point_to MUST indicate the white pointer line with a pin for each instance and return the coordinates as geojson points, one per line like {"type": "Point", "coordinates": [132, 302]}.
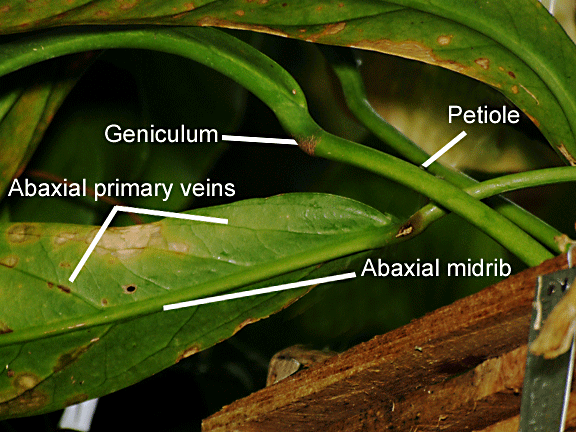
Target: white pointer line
{"type": "Point", "coordinates": [444, 149]}
{"type": "Point", "coordinates": [259, 291]}
{"type": "Point", "coordinates": [237, 138]}
{"type": "Point", "coordinates": [117, 209]}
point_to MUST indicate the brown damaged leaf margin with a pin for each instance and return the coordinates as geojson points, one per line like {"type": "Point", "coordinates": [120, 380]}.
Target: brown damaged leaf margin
{"type": "Point", "coordinates": [571, 159]}
{"type": "Point", "coordinates": [197, 348]}
{"type": "Point", "coordinates": [209, 21]}
{"type": "Point", "coordinates": [411, 49]}
{"type": "Point", "coordinates": [188, 352]}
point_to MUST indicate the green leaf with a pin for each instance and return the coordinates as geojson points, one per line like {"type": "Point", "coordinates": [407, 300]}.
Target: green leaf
{"type": "Point", "coordinates": [62, 343]}
{"type": "Point", "coordinates": [28, 102]}
{"type": "Point", "coordinates": [513, 45]}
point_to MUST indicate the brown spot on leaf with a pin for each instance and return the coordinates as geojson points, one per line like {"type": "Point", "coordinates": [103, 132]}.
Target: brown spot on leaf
{"type": "Point", "coordinates": [10, 373]}
{"type": "Point", "coordinates": [127, 6]}
{"type": "Point", "coordinates": [179, 247]}
{"type": "Point", "coordinates": [4, 328]}
{"type": "Point", "coordinates": [64, 289]}
{"type": "Point", "coordinates": [25, 403]}
{"type": "Point", "coordinates": [70, 357]}
{"type": "Point", "coordinates": [126, 243]}
{"type": "Point", "coordinates": [130, 288]}
{"type": "Point", "coordinates": [188, 352]}
{"type": "Point", "coordinates": [5, 8]}
{"type": "Point", "coordinates": [104, 302]}
{"type": "Point", "coordinates": [405, 230]}
{"type": "Point", "coordinates": [50, 285]}
{"type": "Point", "coordinates": [571, 159]}
{"type": "Point", "coordinates": [25, 381]}
{"type": "Point", "coordinates": [189, 6]}
{"type": "Point", "coordinates": [239, 12]}
{"type": "Point", "coordinates": [329, 29]}
{"type": "Point", "coordinates": [9, 261]}
{"type": "Point", "coordinates": [63, 237]}
{"type": "Point", "coordinates": [22, 233]}
{"type": "Point", "coordinates": [483, 62]}
{"type": "Point", "coordinates": [262, 2]}
{"type": "Point", "coordinates": [102, 13]}
{"type": "Point", "coordinates": [64, 264]}
{"type": "Point", "coordinates": [308, 145]}
{"type": "Point", "coordinates": [512, 74]}
{"type": "Point", "coordinates": [444, 39]}
{"type": "Point", "coordinates": [515, 89]}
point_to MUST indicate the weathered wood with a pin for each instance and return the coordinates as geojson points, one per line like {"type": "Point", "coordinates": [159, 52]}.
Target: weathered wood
{"type": "Point", "coordinates": [432, 374]}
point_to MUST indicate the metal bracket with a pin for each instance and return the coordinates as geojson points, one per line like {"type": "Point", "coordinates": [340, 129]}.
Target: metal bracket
{"type": "Point", "coordinates": [547, 382]}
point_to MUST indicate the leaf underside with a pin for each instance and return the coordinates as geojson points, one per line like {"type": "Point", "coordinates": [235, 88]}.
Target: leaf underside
{"type": "Point", "coordinates": [62, 343]}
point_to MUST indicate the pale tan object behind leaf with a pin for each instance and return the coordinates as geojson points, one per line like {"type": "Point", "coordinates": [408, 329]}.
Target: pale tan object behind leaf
{"type": "Point", "coordinates": [414, 98]}
{"type": "Point", "coordinates": [564, 11]}
{"type": "Point", "coordinates": [288, 361]}
{"type": "Point", "coordinates": [559, 328]}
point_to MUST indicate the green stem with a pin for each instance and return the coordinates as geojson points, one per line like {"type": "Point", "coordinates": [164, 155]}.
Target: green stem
{"type": "Point", "coordinates": [357, 102]}
{"type": "Point", "coordinates": [450, 197]}
{"type": "Point", "coordinates": [431, 213]}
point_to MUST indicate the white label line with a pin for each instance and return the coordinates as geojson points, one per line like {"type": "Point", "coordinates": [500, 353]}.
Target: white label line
{"type": "Point", "coordinates": [259, 291]}
{"type": "Point", "coordinates": [237, 138]}
{"type": "Point", "coordinates": [444, 149]}
{"type": "Point", "coordinates": [117, 209]}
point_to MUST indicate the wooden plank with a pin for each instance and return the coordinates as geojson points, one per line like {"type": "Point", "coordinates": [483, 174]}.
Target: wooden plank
{"type": "Point", "coordinates": [401, 380]}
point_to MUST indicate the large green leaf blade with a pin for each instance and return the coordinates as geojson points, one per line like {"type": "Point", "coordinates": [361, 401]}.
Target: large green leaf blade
{"type": "Point", "coordinates": [513, 45]}
{"type": "Point", "coordinates": [64, 342]}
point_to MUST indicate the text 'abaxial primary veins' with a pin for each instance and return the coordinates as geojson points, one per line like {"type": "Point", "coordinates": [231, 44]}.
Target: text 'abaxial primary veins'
{"type": "Point", "coordinates": [118, 189]}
